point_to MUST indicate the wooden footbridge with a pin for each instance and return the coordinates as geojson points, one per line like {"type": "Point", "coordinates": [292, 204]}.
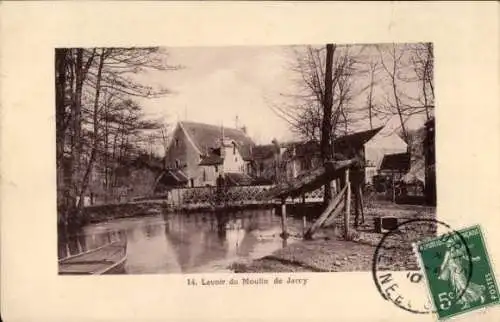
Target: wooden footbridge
{"type": "Point", "coordinates": [347, 176]}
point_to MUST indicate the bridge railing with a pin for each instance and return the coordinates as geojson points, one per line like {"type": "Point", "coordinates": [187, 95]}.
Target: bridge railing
{"type": "Point", "coordinates": [231, 195]}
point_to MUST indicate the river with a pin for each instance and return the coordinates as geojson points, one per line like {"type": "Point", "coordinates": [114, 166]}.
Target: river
{"type": "Point", "coordinates": [187, 243]}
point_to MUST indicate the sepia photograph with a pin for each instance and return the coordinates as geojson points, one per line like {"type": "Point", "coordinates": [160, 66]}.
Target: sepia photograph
{"type": "Point", "coordinates": [243, 159]}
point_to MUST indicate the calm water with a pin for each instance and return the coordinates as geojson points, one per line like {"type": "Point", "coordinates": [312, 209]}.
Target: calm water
{"type": "Point", "coordinates": [187, 243]}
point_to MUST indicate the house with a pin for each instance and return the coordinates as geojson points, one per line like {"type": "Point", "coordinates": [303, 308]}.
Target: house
{"type": "Point", "coordinates": [370, 145]}
{"type": "Point", "coordinates": [203, 152]}
{"type": "Point", "coordinates": [264, 162]}
{"type": "Point", "coordinates": [267, 161]}
{"type": "Point", "coordinates": [300, 157]}
{"type": "Point", "coordinates": [384, 141]}
{"type": "Point", "coordinates": [395, 165]}
{"type": "Point", "coordinates": [226, 161]}
{"type": "Point", "coordinates": [416, 172]}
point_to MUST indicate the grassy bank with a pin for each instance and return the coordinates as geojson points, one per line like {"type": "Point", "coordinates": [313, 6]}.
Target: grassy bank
{"type": "Point", "coordinates": [94, 214]}
{"type": "Point", "coordinates": [101, 213]}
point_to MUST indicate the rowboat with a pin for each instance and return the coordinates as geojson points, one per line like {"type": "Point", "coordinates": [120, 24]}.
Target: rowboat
{"type": "Point", "coordinates": [107, 259]}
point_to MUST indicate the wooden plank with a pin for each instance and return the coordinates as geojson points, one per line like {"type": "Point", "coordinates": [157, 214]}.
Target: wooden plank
{"type": "Point", "coordinates": [95, 261]}
{"type": "Point", "coordinates": [304, 221]}
{"type": "Point", "coordinates": [331, 219]}
{"type": "Point", "coordinates": [347, 205]}
{"type": "Point", "coordinates": [361, 204]}
{"type": "Point", "coordinates": [331, 206]}
{"type": "Point", "coordinates": [356, 204]}
{"type": "Point", "coordinates": [284, 229]}
{"type": "Point", "coordinates": [311, 180]}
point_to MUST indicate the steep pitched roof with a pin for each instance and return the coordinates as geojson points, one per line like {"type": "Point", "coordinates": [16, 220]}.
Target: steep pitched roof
{"type": "Point", "coordinates": [212, 159]}
{"type": "Point", "coordinates": [397, 161]}
{"type": "Point", "coordinates": [356, 139]}
{"type": "Point", "coordinates": [173, 177]}
{"type": "Point", "coordinates": [260, 152]}
{"type": "Point", "coordinates": [238, 179]}
{"type": "Point", "coordinates": [207, 136]}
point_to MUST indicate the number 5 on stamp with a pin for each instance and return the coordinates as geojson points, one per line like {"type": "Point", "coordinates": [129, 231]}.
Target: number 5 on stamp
{"type": "Point", "coordinates": [458, 272]}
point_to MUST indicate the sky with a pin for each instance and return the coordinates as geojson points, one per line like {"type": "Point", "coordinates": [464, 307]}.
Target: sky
{"type": "Point", "coordinates": [219, 84]}
{"type": "Point", "coordinates": [216, 85]}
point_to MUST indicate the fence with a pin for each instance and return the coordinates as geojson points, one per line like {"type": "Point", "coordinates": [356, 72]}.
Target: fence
{"type": "Point", "coordinates": [209, 196]}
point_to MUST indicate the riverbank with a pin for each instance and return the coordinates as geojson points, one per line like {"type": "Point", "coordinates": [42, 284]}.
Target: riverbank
{"type": "Point", "coordinates": [136, 209]}
{"type": "Point", "coordinates": [328, 252]}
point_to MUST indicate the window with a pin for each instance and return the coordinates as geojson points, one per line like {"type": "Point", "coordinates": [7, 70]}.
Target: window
{"type": "Point", "coordinates": [235, 159]}
{"type": "Point", "coordinates": [216, 168]}
{"type": "Point", "coordinates": [176, 143]}
{"type": "Point", "coordinates": [261, 167]}
{"type": "Point", "coordinates": [204, 175]}
{"type": "Point", "coordinates": [177, 163]}
{"type": "Point", "coordinates": [234, 149]}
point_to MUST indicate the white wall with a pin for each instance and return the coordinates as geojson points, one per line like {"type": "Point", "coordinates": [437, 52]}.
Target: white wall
{"type": "Point", "coordinates": [383, 143]}
{"type": "Point", "coordinates": [210, 175]}
{"type": "Point", "coordinates": [233, 162]}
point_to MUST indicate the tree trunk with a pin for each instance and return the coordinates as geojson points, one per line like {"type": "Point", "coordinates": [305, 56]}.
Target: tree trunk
{"type": "Point", "coordinates": [106, 151]}
{"type": "Point", "coordinates": [61, 64]}
{"type": "Point", "coordinates": [326, 128]}
{"type": "Point", "coordinates": [370, 95]}
{"type": "Point", "coordinates": [76, 131]}
{"type": "Point", "coordinates": [396, 95]}
{"type": "Point", "coordinates": [95, 137]}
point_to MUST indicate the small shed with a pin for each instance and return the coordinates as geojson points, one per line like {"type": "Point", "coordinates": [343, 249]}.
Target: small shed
{"type": "Point", "coordinates": [396, 165]}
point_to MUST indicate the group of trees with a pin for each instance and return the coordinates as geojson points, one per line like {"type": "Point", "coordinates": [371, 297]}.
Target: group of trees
{"type": "Point", "coordinates": [340, 87]}
{"type": "Point", "coordinates": [99, 123]}
{"type": "Point", "coordinates": [369, 84]}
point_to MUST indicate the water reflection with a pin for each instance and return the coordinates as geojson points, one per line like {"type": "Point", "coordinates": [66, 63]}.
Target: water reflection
{"type": "Point", "coordinates": [175, 243]}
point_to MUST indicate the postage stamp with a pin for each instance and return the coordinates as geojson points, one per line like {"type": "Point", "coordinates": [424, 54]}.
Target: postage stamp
{"type": "Point", "coordinates": [459, 276]}
{"type": "Point", "coordinates": [403, 284]}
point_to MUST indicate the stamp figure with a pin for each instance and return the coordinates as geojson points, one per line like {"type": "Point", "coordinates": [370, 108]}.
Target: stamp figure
{"type": "Point", "coordinates": [459, 276]}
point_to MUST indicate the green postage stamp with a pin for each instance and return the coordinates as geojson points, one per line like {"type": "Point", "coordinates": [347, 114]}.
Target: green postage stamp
{"type": "Point", "coordinates": [458, 272]}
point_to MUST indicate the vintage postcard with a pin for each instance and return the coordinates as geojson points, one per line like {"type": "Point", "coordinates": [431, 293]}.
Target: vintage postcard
{"type": "Point", "coordinates": [220, 190]}
{"type": "Point", "coordinates": [459, 272]}
{"type": "Point", "coordinates": [202, 162]}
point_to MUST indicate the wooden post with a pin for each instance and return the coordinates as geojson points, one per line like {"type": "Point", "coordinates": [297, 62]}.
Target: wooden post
{"type": "Point", "coordinates": [347, 204]}
{"type": "Point", "coordinates": [393, 188]}
{"type": "Point", "coordinates": [356, 202]}
{"type": "Point", "coordinates": [79, 245]}
{"type": "Point", "coordinates": [304, 221]}
{"type": "Point", "coordinates": [361, 205]}
{"type": "Point", "coordinates": [326, 213]}
{"type": "Point", "coordinates": [284, 232]}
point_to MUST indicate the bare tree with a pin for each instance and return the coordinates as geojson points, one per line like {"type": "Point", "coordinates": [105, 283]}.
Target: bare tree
{"type": "Point", "coordinates": [165, 139]}
{"type": "Point", "coordinates": [303, 109]}
{"type": "Point", "coordinates": [391, 62]}
{"type": "Point", "coordinates": [422, 60]}
{"type": "Point", "coordinates": [410, 86]}
{"type": "Point", "coordinates": [373, 67]}
{"type": "Point", "coordinates": [94, 88]}
{"type": "Point", "coordinates": [320, 109]}
{"type": "Point", "coordinates": [326, 127]}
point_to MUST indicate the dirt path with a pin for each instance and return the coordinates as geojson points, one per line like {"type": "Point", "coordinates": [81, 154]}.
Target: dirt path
{"type": "Point", "coordinates": [330, 253]}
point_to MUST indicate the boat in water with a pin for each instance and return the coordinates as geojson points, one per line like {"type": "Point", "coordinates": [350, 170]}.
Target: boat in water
{"type": "Point", "coordinates": [107, 259]}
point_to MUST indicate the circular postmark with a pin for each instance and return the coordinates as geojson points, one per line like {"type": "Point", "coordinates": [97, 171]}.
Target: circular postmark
{"type": "Point", "coordinates": [396, 267]}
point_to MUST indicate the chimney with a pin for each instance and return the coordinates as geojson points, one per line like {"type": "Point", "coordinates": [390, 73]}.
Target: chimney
{"type": "Point", "coordinates": [276, 145]}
